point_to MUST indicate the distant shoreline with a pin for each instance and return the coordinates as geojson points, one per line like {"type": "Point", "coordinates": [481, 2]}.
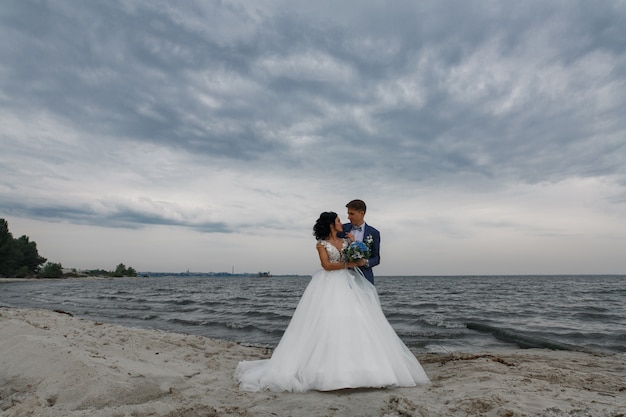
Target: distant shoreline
{"type": "Point", "coordinates": [217, 275]}
{"type": "Point", "coordinates": [57, 279]}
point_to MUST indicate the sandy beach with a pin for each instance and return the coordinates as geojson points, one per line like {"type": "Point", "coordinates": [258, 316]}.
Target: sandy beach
{"type": "Point", "coordinates": [54, 364]}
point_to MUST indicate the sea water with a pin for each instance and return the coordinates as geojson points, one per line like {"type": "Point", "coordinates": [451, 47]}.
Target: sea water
{"type": "Point", "coordinates": [430, 314]}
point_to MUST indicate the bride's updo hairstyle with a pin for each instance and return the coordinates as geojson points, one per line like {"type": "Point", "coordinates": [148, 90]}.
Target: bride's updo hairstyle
{"type": "Point", "coordinates": [321, 229]}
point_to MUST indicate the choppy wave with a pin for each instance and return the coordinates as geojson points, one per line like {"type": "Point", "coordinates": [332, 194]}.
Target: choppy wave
{"type": "Point", "coordinates": [428, 313]}
{"type": "Point", "coordinates": [522, 340]}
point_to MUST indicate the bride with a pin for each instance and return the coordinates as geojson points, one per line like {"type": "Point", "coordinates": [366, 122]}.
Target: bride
{"type": "Point", "coordinates": [338, 336]}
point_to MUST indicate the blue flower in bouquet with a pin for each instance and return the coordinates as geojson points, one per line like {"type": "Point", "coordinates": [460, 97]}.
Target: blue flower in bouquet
{"type": "Point", "coordinates": [355, 251]}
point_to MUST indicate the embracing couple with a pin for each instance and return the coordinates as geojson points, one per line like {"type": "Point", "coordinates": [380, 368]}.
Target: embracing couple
{"type": "Point", "coordinates": [338, 336]}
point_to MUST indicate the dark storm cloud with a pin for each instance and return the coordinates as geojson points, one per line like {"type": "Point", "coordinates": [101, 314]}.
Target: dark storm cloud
{"type": "Point", "coordinates": [427, 92]}
{"type": "Point", "coordinates": [113, 216]}
{"type": "Point", "coordinates": [123, 72]}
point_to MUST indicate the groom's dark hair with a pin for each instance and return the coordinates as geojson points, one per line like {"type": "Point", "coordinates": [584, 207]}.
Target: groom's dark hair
{"type": "Point", "coordinates": [358, 205]}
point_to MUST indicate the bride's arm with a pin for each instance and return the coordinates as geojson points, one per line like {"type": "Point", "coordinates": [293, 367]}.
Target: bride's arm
{"type": "Point", "coordinates": [333, 266]}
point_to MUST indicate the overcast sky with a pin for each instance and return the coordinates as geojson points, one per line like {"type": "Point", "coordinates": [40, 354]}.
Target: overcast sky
{"type": "Point", "coordinates": [486, 137]}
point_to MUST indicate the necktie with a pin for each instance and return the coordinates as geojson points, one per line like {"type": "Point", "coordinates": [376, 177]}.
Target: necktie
{"type": "Point", "coordinates": [357, 228]}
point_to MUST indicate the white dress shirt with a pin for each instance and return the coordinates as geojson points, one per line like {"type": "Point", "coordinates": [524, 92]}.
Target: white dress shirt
{"type": "Point", "coordinates": [358, 234]}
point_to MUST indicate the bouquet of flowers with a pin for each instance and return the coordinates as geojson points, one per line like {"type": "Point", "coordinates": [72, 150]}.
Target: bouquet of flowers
{"type": "Point", "coordinates": [358, 250]}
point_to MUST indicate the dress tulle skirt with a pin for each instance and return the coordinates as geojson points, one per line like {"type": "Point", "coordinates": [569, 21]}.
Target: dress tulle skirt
{"type": "Point", "coordinates": [338, 338]}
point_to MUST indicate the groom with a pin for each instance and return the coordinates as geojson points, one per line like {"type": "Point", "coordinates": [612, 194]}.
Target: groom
{"type": "Point", "coordinates": [360, 230]}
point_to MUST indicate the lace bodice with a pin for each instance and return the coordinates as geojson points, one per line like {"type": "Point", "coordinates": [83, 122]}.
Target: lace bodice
{"type": "Point", "coordinates": [334, 255]}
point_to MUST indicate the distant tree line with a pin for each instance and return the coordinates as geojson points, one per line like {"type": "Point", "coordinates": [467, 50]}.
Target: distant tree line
{"type": "Point", "coordinates": [120, 271]}
{"type": "Point", "coordinates": [20, 258]}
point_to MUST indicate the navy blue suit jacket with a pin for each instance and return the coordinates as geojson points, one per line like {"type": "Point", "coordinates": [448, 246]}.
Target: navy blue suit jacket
{"type": "Point", "coordinates": [374, 258]}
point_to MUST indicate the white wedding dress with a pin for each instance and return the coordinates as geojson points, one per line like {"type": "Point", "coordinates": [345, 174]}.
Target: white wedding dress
{"type": "Point", "coordinates": [338, 338]}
